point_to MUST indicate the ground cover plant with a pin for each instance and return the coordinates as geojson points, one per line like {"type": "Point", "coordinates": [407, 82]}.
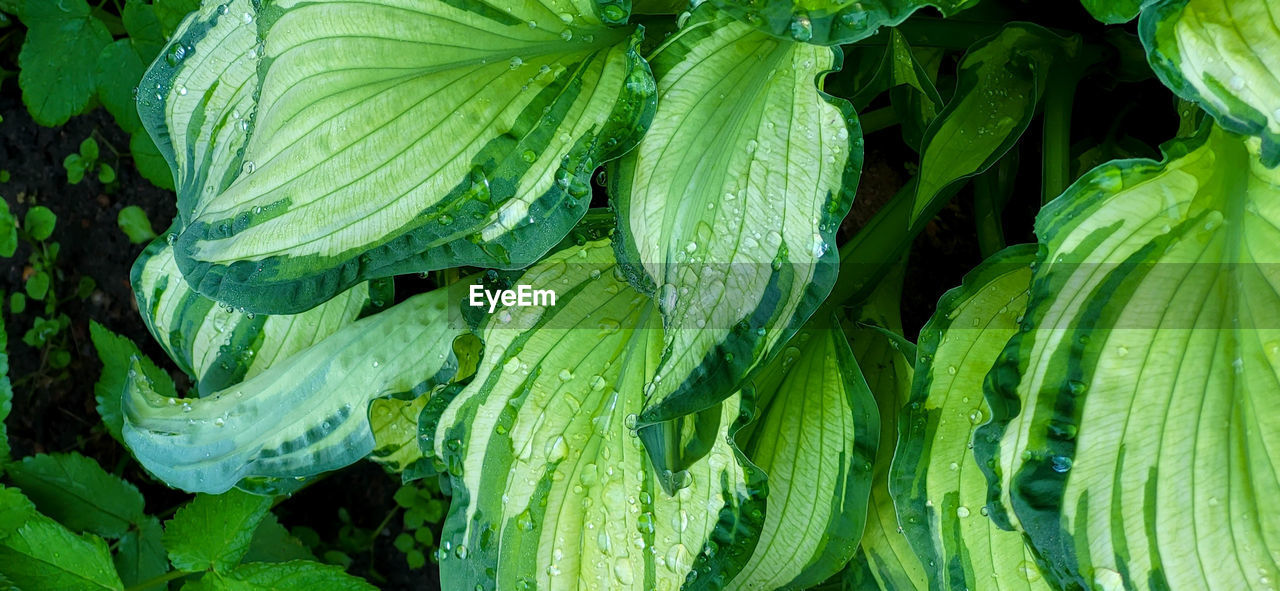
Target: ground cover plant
{"type": "Point", "coordinates": [748, 294]}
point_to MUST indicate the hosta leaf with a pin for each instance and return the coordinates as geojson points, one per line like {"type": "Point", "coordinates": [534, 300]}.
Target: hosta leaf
{"type": "Point", "coordinates": [550, 490]}
{"type": "Point", "coordinates": [999, 84]}
{"type": "Point", "coordinates": [318, 143]}
{"type": "Point", "coordinates": [885, 559]}
{"type": "Point", "coordinates": [1113, 11]}
{"type": "Point", "coordinates": [730, 203]}
{"type": "Point", "coordinates": [1223, 56]}
{"type": "Point", "coordinates": [832, 22]}
{"type": "Point", "coordinates": [218, 345]}
{"type": "Point", "coordinates": [300, 417]}
{"type": "Point", "coordinates": [395, 434]}
{"type": "Point", "coordinates": [1133, 430]}
{"type": "Point", "coordinates": [78, 493]}
{"type": "Point", "coordinates": [938, 486]}
{"type": "Point", "coordinates": [214, 531]}
{"type": "Point", "coordinates": [44, 555]}
{"type": "Point", "coordinates": [816, 438]}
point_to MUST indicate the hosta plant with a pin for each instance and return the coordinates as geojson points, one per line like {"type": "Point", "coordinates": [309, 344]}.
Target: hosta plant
{"type": "Point", "coordinates": [719, 391]}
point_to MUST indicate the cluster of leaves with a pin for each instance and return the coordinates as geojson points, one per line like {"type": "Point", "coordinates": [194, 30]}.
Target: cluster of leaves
{"type": "Point", "coordinates": [66, 524]}
{"type": "Point", "coordinates": [690, 411]}
{"type": "Point", "coordinates": [41, 277]}
{"type": "Point", "coordinates": [75, 57]}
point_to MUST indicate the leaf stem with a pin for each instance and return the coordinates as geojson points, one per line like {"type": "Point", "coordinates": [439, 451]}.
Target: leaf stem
{"type": "Point", "coordinates": [1058, 102]}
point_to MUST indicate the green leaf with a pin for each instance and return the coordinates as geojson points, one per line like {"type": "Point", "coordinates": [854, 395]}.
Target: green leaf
{"type": "Point", "coordinates": [297, 575]}
{"type": "Point", "coordinates": [58, 57]}
{"type": "Point", "coordinates": [15, 510]}
{"type": "Point", "coordinates": [8, 231]}
{"type": "Point", "coordinates": [117, 354]}
{"type": "Point", "coordinates": [452, 134]}
{"type": "Point", "coordinates": [1113, 12]}
{"type": "Point", "coordinates": [89, 150]}
{"type": "Point", "coordinates": [273, 543]}
{"type": "Point", "coordinates": [939, 488]}
{"type": "Point", "coordinates": [1222, 56]}
{"type": "Point", "coordinates": [143, 25]}
{"type": "Point", "coordinates": [37, 285]}
{"type": "Point", "coordinates": [140, 556]}
{"type": "Point", "coordinates": [77, 492]}
{"type": "Point", "coordinates": [816, 439]}
{"type": "Point", "coordinates": [549, 490]}
{"type": "Point", "coordinates": [106, 174]}
{"type": "Point", "coordinates": [885, 559]}
{"type": "Point", "coordinates": [214, 531]}
{"type": "Point", "coordinates": [303, 415]}
{"type": "Point", "coordinates": [729, 206]}
{"type": "Point", "coordinates": [218, 346]}
{"type": "Point", "coordinates": [134, 223]}
{"type": "Point", "coordinates": [17, 302]}
{"type": "Point", "coordinates": [6, 397]}
{"type": "Point", "coordinates": [1000, 83]}
{"type": "Point", "coordinates": [44, 555]}
{"type": "Point", "coordinates": [1130, 438]}
{"type": "Point", "coordinates": [75, 168]}
{"type": "Point", "coordinates": [831, 22]}
{"type": "Point", "coordinates": [170, 13]}
{"type": "Point", "coordinates": [39, 222]}
{"type": "Point", "coordinates": [395, 434]}
{"type": "Point", "coordinates": [150, 163]}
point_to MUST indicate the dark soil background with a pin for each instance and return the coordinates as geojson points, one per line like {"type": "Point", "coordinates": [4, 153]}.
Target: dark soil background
{"type": "Point", "coordinates": [54, 411]}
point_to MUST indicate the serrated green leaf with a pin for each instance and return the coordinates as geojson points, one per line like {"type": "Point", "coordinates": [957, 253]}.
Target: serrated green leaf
{"type": "Point", "coordinates": [41, 554]}
{"type": "Point", "coordinates": [77, 492]}
{"type": "Point", "coordinates": [816, 438]}
{"type": "Point", "coordinates": [301, 416]}
{"type": "Point", "coordinates": [939, 488]}
{"type": "Point", "coordinates": [135, 224]}
{"type": "Point", "coordinates": [150, 163]}
{"type": "Point", "coordinates": [1000, 83]}
{"type": "Point", "coordinates": [15, 510]}
{"type": "Point", "coordinates": [1130, 435]}
{"type": "Point", "coordinates": [831, 22]}
{"type": "Point", "coordinates": [549, 490]}
{"type": "Point", "coordinates": [214, 531]}
{"type": "Point", "coordinates": [298, 575]}
{"type": "Point", "coordinates": [117, 354]}
{"type": "Point", "coordinates": [140, 555]}
{"type": "Point", "coordinates": [220, 347]}
{"type": "Point", "coordinates": [273, 543]}
{"type": "Point", "coordinates": [1221, 55]}
{"type": "Point", "coordinates": [39, 222]}
{"type": "Point", "coordinates": [58, 58]}
{"type": "Point", "coordinates": [452, 135]}
{"type": "Point", "coordinates": [730, 144]}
